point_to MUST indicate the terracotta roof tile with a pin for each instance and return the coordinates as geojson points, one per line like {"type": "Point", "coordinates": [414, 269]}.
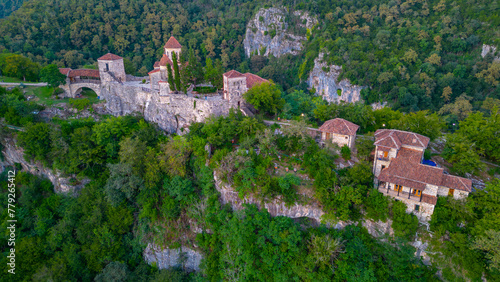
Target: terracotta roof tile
{"type": "Point", "coordinates": [339, 126]}
{"type": "Point", "coordinates": [156, 65]}
{"type": "Point", "coordinates": [110, 57]}
{"type": "Point", "coordinates": [407, 170]}
{"type": "Point", "coordinates": [84, 72]}
{"type": "Point", "coordinates": [429, 199]}
{"type": "Point", "coordinates": [396, 138]}
{"type": "Point", "coordinates": [233, 74]}
{"type": "Point", "coordinates": [458, 183]}
{"type": "Point", "coordinates": [153, 71]}
{"type": "Point", "coordinates": [64, 71]}
{"type": "Point", "coordinates": [172, 43]}
{"type": "Point", "coordinates": [253, 79]}
{"type": "Point", "coordinates": [165, 60]}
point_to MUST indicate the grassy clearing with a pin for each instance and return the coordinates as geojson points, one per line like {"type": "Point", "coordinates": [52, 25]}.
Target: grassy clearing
{"type": "Point", "coordinates": [44, 96]}
{"type": "Point", "coordinates": [13, 79]}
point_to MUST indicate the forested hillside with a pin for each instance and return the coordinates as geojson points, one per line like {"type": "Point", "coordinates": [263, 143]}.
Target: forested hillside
{"type": "Point", "coordinates": [9, 6]}
{"type": "Point", "coordinates": [416, 54]}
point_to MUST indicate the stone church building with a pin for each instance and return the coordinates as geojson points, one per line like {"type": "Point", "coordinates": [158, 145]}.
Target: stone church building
{"type": "Point", "coordinates": [160, 73]}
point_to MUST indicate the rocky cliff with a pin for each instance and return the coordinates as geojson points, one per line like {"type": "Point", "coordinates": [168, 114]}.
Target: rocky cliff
{"type": "Point", "coordinates": [14, 154]}
{"type": "Point", "coordinates": [325, 79]}
{"type": "Point", "coordinates": [278, 208]}
{"type": "Point", "coordinates": [183, 257]}
{"type": "Point", "coordinates": [488, 49]}
{"type": "Point", "coordinates": [269, 33]}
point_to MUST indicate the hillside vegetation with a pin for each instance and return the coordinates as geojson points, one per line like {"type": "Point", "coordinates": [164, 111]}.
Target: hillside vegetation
{"type": "Point", "coordinates": [416, 54]}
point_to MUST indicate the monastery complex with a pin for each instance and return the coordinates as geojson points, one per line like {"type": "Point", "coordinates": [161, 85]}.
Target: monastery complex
{"type": "Point", "coordinates": [398, 168]}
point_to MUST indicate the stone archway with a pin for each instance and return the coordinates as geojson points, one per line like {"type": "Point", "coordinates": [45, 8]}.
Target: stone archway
{"type": "Point", "coordinates": [76, 88]}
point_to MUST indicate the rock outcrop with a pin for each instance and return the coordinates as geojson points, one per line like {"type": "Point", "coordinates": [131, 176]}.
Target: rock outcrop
{"type": "Point", "coordinates": [269, 31]}
{"type": "Point", "coordinates": [183, 257]}
{"type": "Point", "coordinates": [278, 208]}
{"type": "Point", "coordinates": [488, 49]}
{"type": "Point", "coordinates": [275, 208]}
{"type": "Point", "coordinates": [14, 154]}
{"type": "Point", "coordinates": [325, 79]}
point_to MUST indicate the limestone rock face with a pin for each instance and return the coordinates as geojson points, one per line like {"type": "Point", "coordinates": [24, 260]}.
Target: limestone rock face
{"type": "Point", "coordinates": [275, 208]}
{"type": "Point", "coordinates": [487, 49]}
{"type": "Point", "coordinates": [269, 30]}
{"type": "Point", "coordinates": [13, 154]}
{"type": "Point", "coordinates": [166, 258]}
{"type": "Point", "coordinates": [324, 79]}
{"type": "Point", "coordinates": [278, 208]}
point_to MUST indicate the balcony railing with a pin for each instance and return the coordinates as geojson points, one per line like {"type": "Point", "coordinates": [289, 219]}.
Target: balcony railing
{"type": "Point", "coordinates": [400, 194]}
{"type": "Point", "coordinates": [83, 80]}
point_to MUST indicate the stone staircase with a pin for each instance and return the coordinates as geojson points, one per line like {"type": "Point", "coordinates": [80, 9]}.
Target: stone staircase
{"type": "Point", "coordinates": [115, 78]}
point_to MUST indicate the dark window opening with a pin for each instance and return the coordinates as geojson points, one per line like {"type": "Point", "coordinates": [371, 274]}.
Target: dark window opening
{"type": "Point", "coordinates": [417, 208]}
{"type": "Point", "coordinates": [107, 67]}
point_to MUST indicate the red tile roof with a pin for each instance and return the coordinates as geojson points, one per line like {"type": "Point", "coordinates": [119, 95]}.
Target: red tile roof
{"type": "Point", "coordinates": [165, 60]}
{"type": "Point", "coordinates": [393, 138]}
{"type": "Point", "coordinates": [339, 126]}
{"type": "Point", "coordinates": [84, 72]}
{"type": "Point", "coordinates": [458, 183]}
{"type": "Point", "coordinates": [64, 71]}
{"type": "Point", "coordinates": [429, 199]}
{"type": "Point", "coordinates": [407, 170]}
{"type": "Point", "coordinates": [172, 43]}
{"type": "Point", "coordinates": [233, 74]}
{"type": "Point", "coordinates": [153, 71]}
{"type": "Point", "coordinates": [110, 57]}
{"type": "Point", "coordinates": [253, 80]}
{"type": "Point", "coordinates": [156, 65]}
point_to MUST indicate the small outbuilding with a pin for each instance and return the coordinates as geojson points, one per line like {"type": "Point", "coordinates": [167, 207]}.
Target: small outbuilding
{"type": "Point", "coordinates": [339, 131]}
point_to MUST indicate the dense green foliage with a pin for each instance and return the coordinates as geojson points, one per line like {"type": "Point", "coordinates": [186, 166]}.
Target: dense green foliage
{"type": "Point", "coordinates": [466, 234]}
{"type": "Point", "coordinates": [417, 55]}
{"type": "Point", "coordinates": [9, 6]}
{"type": "Point", "coordinates": [423, 57]}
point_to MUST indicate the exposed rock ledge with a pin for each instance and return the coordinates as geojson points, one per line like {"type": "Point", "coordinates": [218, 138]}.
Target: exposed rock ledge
{"type": "Point", "coordinates": [269, 30]}
{"type": "Point", "coordinates": [489, 49]}
{"type": "Point", "coordinates": [167, 258]}
{"type": "Point", "coordinates": [278, 208]}
{"type": "Point", "coordinates": [324, 79]}
{"type": "Point", "coordinates": [14, 154]}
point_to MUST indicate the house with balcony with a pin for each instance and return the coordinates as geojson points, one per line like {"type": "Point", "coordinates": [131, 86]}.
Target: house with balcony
{"type": "Point", "coordinates": [400, 173]}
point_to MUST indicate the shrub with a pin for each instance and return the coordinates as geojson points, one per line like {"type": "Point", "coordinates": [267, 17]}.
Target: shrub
{"type": "Point", "coordinates": [427, 154]}
{"type": "Point", "coordinates": [79, 104]}
{"type": "Point", "coordinates": [345, 151]}
{"type": "Point", "coordinates": [405, 225]}
{"type": "Point", "coordinates": [377, 206]}
{"type": "Point", "coordinates": [272, 33]}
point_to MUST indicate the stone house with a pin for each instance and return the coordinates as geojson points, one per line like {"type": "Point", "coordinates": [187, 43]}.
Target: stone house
{"type": "Point", "coordinates": [400, 173]}
{"type": "Point", "coordinates": [339, 131]}
{"type": "Point", "coordinates": [236, 84]}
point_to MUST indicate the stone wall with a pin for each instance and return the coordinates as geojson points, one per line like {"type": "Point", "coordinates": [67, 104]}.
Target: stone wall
{"type": "Point", "coordinates": [325, 79]}
{"type": "Point", "coordinates": [171, 112]}
{"type": "Point", "coordinates": [14, 154]}
{"type": "Point", "coordinates": [264, 23]}
{"type": "Point", "coordinates": [183, 257]}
